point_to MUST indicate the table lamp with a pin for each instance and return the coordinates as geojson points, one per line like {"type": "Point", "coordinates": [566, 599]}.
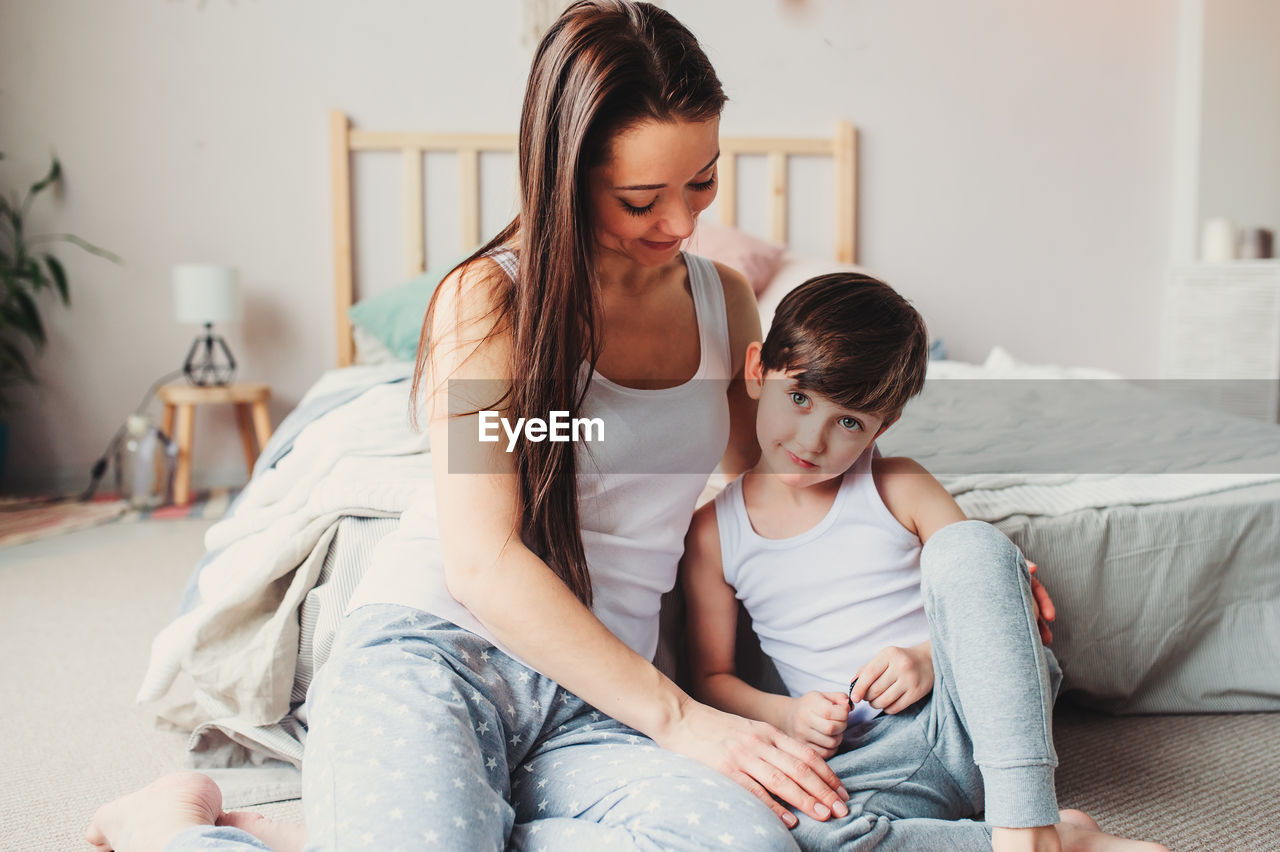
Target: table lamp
{"type": "Point", "coordinates": [204, 294]}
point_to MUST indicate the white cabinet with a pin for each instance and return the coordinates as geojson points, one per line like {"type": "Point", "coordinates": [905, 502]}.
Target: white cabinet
{"type": "Point", "coordinates": [1221, 333]}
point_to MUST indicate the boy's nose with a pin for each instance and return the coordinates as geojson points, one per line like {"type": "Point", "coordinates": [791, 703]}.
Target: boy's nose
{"type": "Point", "coordinates": [811, 439]}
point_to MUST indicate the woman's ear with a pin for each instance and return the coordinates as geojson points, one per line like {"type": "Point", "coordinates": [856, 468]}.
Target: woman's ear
{"type": "Point", "coordinates": [753, 370]}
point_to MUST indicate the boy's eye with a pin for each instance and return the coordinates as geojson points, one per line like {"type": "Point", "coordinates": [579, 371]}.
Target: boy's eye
{"type": "Point", "coordinates": [638, 211]}
{"type": "Point", "coordinates": [799, 399]}
{"type": "Point", "coordinates": [850, 424]}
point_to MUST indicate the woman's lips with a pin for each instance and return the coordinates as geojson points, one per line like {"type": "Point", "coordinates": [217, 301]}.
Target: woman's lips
{"type": "Point", "coordinates": [661, 246]}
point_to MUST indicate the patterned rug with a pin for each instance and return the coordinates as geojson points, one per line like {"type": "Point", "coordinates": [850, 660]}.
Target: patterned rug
{"type": "Point", "coordinates": [31, 518]}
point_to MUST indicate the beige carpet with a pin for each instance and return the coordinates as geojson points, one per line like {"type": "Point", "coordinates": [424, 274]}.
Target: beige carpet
{"type": "Point", "coordinates": [77, 614]}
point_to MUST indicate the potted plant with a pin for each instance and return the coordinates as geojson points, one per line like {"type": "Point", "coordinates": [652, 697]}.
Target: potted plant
{"type": "Point", "coordinates": [26, 272]}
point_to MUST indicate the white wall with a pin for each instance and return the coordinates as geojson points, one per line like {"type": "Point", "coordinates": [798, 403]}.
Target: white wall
{"type": "Point", "coordinates": [1240, 113]}
{"type": "Point", "coordinates": [1016, 167]}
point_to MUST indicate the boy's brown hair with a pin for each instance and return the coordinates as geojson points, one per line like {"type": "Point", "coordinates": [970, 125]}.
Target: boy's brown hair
{"type": "Point", "coordinates": [853, 340]}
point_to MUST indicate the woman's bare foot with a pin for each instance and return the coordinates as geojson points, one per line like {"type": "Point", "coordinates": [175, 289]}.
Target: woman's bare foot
{"type": "Point", "coordinates": [146, 820]}
{"type": "Point", "coordinates": [1077, 832]}
{"type": "Point", "coordinates": [280, 836]}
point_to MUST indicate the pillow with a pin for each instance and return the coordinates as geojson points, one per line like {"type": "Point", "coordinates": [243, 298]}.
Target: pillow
{"type": "Point", "coordinates": [394, 317]}
{"type": "Point", "coordinates": [792, 272]}
{"type": "Point", "coordinates": [755, 258]}
{"type": "Point", "coordinates": [370, 351]}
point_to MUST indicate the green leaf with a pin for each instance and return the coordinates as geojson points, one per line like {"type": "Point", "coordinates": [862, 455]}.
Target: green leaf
{"type": "Point", "coordinates": [32, 325]}
{"type": "Point", "coordinates": [28, 269]}
{"type": "Point", "coordinates": [59, 276]}
{"type": "Point", "coordinates": [55, 172]}
{"type": "Point", "coordinates": [92, 249]}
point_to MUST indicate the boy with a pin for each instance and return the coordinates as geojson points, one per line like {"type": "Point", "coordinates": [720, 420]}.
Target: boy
{"type": "Point", "coordinates": [824, 542]}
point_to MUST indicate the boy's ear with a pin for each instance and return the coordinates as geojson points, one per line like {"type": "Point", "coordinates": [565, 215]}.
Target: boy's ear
{"type": "Point", "coordinates": [884, 427]}
{"type": "Point", "coordinates": [753, 370]}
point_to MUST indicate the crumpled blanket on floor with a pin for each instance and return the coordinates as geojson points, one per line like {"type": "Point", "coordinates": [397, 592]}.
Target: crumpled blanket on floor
{"type": "Point", "coordinates": [237, 640]}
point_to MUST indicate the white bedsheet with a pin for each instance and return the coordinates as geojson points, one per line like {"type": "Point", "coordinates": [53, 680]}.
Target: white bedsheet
{"type": "Point", "coordinates": [1007, 438]}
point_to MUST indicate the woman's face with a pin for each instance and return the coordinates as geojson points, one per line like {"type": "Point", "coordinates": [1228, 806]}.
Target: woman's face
{"type": "Point", "coordinates": [659, 177]}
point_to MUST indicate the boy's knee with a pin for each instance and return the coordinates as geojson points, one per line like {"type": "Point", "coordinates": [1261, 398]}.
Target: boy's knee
{"type": "Point", "coordinates": [968, 553]}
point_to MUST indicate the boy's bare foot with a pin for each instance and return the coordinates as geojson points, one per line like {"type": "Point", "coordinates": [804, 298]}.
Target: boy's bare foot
{"type": "Point", "coordinates": [145, 821]}
{"type": "Point", "coordinates": [280, 836]}
{"type": "Point", "coordinates": [1077, 832]}
{"type": "Point", "coordinates": [1080, 833]}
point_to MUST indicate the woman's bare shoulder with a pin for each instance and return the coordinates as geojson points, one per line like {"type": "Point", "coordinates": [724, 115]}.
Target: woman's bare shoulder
{"type": "Point", "coordinates": [741, 309]}
{"type": "Point", "coordinates": [473, 289]}
{"type": "Point", "coordinates": [737, 291]}
{"type": "Point", "coordinates": [470, 322]}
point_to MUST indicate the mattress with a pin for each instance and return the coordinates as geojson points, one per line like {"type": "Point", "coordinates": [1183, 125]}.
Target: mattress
{"type": "Point", "coordinates": [1155, 522]}
{"type": "Point", "coordinates": [1167, 607]}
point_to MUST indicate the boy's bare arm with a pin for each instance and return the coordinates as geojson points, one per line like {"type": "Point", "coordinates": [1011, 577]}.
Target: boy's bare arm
{"type": "Point", "coordinates": [914, 497]}
{"type": "Point", "coordinates": [712, 624]}
{"type": "Point", "coordinates": [922, 505]}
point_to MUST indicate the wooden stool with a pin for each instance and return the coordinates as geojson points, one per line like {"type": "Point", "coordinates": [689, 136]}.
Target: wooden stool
{"type": "Point", "coordinates": [250, 400]}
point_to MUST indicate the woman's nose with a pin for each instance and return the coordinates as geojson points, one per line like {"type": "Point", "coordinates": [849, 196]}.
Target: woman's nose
{"type": "Point", "coordinates": [680, 219]}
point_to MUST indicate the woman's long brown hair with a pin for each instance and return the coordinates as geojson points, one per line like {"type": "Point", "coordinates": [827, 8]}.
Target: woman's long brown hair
{"type": "Point", "coordinates": [603, 67]}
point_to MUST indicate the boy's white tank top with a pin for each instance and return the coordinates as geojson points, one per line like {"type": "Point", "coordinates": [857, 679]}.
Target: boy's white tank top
{"type": "Point", "coordinates": [637, 490]}
{"type": "Point", "coordinates": [826, 601]}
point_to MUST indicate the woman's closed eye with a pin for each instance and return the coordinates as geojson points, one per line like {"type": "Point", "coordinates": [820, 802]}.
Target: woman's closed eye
{"type": "Point", "coordinates": [638, 211]}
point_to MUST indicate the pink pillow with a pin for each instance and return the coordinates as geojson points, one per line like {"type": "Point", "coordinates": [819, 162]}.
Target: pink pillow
{"type": "Point", "coordinates": [755, 258]}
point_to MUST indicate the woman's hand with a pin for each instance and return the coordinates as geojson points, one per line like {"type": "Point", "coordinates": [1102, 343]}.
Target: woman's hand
{"type": "Point", "coordinates": [1045, 611]}
{"type": "Point", "coordinates": [762, 759]}
{"type": "Point", "coordinates": [818, 719]}
{"type": "Point", "coordinates": [895, 678]}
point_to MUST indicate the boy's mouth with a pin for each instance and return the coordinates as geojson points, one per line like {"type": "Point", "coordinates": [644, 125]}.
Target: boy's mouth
{"type": "Point", "coordinates": [806, 465]}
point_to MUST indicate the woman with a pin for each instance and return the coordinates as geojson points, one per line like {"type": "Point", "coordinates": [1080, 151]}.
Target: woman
{"type": "Point", "coordinates": [492, 680]}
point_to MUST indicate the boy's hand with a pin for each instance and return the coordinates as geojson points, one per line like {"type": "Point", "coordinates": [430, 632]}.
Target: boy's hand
{"type": "Point", "coordinates": [819, 719]}
{"type": "Point", "coordinates": [1045, 611]}
{"type": "Point", "coordinates": [895, 678]}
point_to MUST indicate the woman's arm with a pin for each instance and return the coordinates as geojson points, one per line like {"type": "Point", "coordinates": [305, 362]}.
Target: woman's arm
{"type": "Point", "coordinates": [529, 609]}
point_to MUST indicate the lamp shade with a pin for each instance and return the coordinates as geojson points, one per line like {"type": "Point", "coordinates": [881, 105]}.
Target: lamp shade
{"type": "Point", "coordinates": [205, 293]}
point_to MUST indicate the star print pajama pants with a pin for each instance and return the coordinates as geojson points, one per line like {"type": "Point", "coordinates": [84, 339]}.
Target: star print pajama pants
{"type": "Point", "coordinates": [424, 736]}
{"type": "Point", "coordinates": [982, 739]}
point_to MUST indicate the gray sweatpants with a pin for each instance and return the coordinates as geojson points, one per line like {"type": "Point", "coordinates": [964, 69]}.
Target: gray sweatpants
{"type": "Point", "coordinates": [981, 740]}
{"type": "Point", "coordinates": [425, 736]}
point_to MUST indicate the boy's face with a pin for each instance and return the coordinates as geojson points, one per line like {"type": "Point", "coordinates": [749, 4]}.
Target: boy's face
{"type": "Point", "coordinates": [804, 437]}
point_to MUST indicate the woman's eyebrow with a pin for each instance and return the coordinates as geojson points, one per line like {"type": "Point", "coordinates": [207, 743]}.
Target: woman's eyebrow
{"type": "Point", "coordinates": [663, 185]}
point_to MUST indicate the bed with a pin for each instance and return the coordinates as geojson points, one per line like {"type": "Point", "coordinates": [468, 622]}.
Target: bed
{"type": "Point", "coordinates": [1158, 545]}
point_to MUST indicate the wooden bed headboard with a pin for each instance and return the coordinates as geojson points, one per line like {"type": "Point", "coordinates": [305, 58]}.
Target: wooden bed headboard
{"type": "Point", "coordinates": [345, 141]}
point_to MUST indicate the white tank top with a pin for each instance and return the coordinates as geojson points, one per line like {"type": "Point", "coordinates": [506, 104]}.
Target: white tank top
{"type": "Point", "coordinates": [825, 602]}
{"type": "Point", "coordinates": [637, 490]}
